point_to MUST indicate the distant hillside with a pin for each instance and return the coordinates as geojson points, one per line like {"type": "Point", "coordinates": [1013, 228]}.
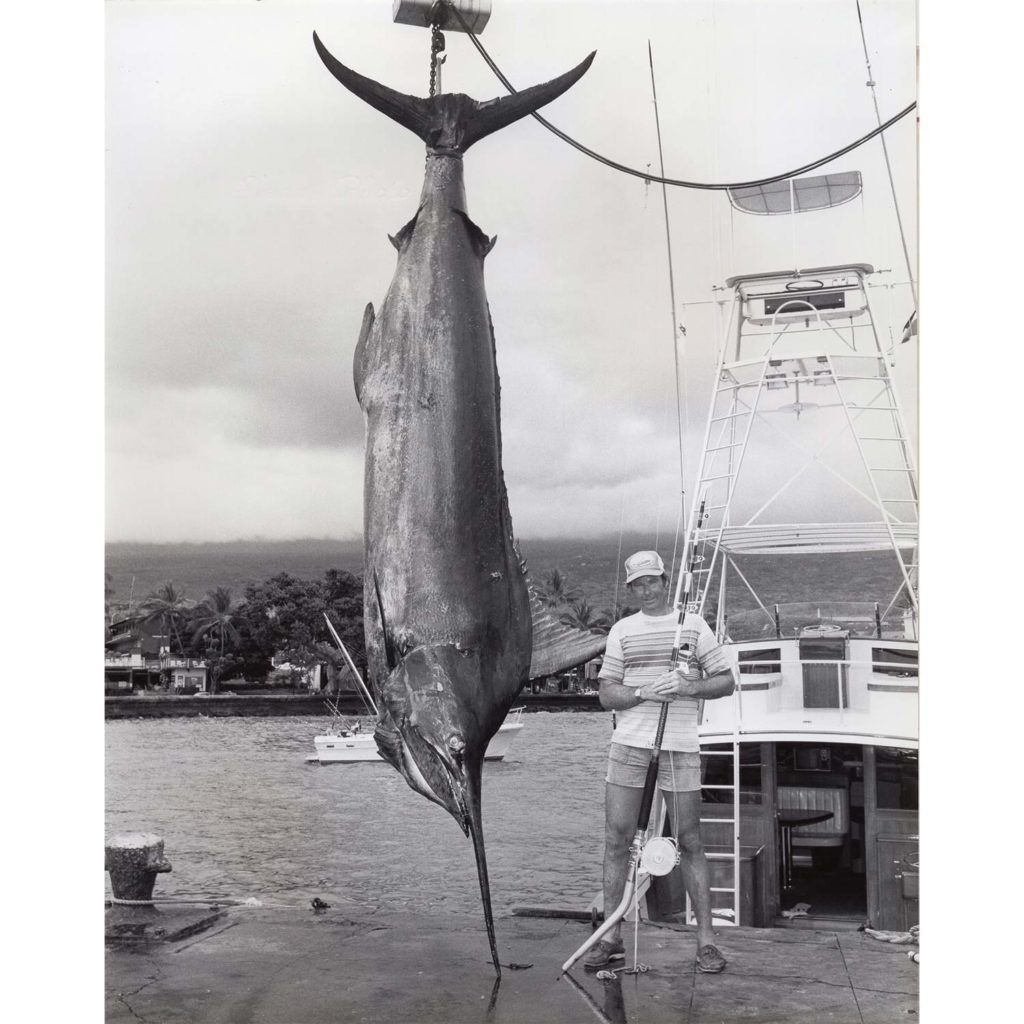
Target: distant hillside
{"type": "Point", "coordinates": [591, 566]}
{"type": "Point", "coordinates": [198, 568]}
{"type": "Point", "coordinates": [139, 569]}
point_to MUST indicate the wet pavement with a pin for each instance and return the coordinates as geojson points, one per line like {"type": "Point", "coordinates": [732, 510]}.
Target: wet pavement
{"type": "Point", "coordinates": [294, 966]}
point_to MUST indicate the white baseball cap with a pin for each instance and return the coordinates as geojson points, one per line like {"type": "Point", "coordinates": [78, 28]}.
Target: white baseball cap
{"type": "Point", "coordinates": [644, 563]}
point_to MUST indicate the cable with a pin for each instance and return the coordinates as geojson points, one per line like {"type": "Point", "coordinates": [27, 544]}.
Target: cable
{"type": "Point", "coordinates": [885, 152]}
{"type": "Point", "coordinates": [653, 177]}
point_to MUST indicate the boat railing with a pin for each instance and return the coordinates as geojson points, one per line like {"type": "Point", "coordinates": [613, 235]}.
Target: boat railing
{"type": "Point", "coordinates": [775, 665]}
{"type": "Point", "coordinates": [832, 692]}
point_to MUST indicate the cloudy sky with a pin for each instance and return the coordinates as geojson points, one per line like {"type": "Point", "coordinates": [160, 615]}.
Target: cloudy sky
{"type": "Point", "coordinates": [249, 198]}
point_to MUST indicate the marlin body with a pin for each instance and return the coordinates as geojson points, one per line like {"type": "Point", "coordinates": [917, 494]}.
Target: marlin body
{"type": "Point", "coordinates": [446, 605]}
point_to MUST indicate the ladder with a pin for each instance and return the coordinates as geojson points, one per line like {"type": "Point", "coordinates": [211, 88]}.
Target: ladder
{"type": "Point", "coordinates": [729, 915]}
{"type": "Point", "coordinates": [790, 335]}
{"type": "Point", "coordinates": [717, 482]}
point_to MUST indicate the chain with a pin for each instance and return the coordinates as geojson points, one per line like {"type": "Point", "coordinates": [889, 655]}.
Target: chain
{"type": "Point", "coordinates": [436, 46]}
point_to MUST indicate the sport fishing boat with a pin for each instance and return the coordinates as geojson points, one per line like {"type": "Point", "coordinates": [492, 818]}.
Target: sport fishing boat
{"type": "Point", "coordinates": [346, 743]}
{"type": "Point", "coordinates": [802, 553]}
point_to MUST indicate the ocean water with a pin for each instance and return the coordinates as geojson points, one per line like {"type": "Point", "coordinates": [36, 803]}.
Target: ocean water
{"type": "Point", "coordinates": [244, 816]}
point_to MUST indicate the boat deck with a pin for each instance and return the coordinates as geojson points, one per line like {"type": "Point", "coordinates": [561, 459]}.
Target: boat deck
{"type": "Point", "coordinates": [349, 963]}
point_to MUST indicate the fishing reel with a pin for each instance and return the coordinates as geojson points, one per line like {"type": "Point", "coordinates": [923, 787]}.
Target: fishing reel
{"type": "Point", "coordinates": [659, 855]}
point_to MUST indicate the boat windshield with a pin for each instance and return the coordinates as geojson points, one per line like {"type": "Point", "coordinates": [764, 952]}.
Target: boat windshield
{"type": "Point", "coordinates": [857, 618]}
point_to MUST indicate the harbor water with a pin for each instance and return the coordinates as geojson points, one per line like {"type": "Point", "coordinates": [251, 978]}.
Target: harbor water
{"type": "Point", "coordinates": [244, 816]}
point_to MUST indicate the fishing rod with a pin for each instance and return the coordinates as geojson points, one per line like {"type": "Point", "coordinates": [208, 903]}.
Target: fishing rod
{"type": "Point", "coordinates": [656, 862]}
{"type": "Point", "coordinates": [352, 665]}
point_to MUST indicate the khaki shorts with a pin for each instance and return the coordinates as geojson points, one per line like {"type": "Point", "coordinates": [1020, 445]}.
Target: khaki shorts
{"type": "Point", "coordinates": [678, 771]}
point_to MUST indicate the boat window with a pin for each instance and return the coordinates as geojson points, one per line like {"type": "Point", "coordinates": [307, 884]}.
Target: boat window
{"type": "Point", "coordinates": [896, 778]}
{"type": "Point", "coordinates": [797, 195]}
{"type": "Point", "coordinates": [766, 657]}
{"type": "Point", "coordinates": [824, 672]}
{"type": "Point", "coordinates": [819, 300]}
{"type": "Point", "coordinates": [716, 770]}
{"type": "Point", "coordinates": [891, 661]}
{"type": "Point", "coordinates": [812, 759]}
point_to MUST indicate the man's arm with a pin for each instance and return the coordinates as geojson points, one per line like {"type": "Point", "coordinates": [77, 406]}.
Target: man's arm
{"type": "Point", "coordinates": [619, 697]}
{"type": "Point", "coordinates": [686, 681]}
{"type": "Point", "coordinates": [721, 684]}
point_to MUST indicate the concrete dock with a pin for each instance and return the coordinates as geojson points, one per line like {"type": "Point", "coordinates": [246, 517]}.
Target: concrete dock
{"type": "Point", "coordinates": [293, 966]}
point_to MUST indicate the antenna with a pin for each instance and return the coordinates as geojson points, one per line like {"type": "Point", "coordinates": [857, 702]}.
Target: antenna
{"type": "Point", "coordinates": [351, 664]}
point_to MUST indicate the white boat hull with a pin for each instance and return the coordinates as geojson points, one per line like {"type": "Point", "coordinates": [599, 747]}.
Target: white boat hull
{"type": "Point", "coordinates": [332, 749]}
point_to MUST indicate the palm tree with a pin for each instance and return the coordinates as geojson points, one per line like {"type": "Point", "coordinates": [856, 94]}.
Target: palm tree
{"type": "Point", "coordinates": [216, 617]}
{"type": "Point", "coordinates": [168, 607]}
{"type": "Point", "coordinates": [555, 589]}
{"type": "Point", "coordinates": [580, 615]}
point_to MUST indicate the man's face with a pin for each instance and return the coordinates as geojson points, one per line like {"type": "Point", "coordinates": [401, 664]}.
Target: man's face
{"type": "Point", "coordinates": [650, 591]}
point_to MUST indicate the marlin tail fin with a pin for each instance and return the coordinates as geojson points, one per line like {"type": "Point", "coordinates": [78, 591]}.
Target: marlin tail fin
{"type": "Point", "coordinates": [451, 121]}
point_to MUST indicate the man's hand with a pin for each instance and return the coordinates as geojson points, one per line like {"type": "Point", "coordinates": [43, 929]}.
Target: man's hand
{"type": "Point", "coordinates": [680, 682]}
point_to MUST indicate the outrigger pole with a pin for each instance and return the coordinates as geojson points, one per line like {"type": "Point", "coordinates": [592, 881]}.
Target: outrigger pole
{"type": "Point", "coordinates": [351, 664]}
{"type": "Point", "coordinates": [682, 599]}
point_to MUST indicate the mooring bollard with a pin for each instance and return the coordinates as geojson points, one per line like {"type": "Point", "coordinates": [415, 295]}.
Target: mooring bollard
{"type": "Point", "coordinates": [134, 860]}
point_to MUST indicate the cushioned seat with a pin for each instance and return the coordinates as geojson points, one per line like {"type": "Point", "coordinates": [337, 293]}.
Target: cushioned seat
{"type": "Point", "coordinates": [811, 798]}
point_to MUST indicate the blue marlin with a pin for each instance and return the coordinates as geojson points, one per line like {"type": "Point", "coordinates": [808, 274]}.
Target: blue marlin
{"type": "Point", "coordinates": [450, 638]}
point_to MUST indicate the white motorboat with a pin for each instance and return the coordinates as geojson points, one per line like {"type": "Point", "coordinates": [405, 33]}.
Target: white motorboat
{"type": "Point", "coordinates": [348, 744]}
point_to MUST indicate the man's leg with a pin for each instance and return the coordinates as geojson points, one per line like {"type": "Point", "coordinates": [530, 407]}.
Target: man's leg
{"type": "Point", "coordinates": [692, 862]}
{"type": "Point", "coordinates": [621, 807]}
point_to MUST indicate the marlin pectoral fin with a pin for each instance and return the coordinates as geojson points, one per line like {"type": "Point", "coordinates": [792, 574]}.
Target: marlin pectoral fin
{"type": "Point", "coordinates": [482, 245]}
{"type": "Point", "coordinates": [389, 742]}
{"type": "Point", "coordinates": [389, 647]}
{"type": "Point", "coordinates": [359, 359]}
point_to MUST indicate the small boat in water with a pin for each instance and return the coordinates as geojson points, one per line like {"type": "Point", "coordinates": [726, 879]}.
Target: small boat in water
{"type": "Point", "coordinates": [348, 744]}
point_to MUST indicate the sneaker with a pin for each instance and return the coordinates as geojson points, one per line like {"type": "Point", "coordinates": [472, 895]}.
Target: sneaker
{"type": "Point", "coordinates": [710, 960]}
{"type": "Point", "coordinates": [603, 954]}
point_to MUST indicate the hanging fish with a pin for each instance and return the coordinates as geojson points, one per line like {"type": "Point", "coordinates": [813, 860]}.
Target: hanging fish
{"type": "Point", "coordinates": [449, 633]}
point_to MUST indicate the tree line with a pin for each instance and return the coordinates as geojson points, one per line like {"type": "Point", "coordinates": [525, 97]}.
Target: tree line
{"type": "Point", "coordinates": [282, 620]}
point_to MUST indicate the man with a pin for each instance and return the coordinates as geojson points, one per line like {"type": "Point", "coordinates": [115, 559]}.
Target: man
{"type": "Point", "coordinates": [635, 682]}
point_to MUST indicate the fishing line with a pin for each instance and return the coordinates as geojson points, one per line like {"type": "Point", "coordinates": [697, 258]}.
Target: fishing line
{"type": "Point", "coordinates": [671, 281]}
{"type": "Point", "coordinates": [672, 181]}
{"type": "Point", "coordinates": [251, 902]}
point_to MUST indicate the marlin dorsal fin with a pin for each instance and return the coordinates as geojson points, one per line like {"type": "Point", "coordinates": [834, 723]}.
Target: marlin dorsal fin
{"type": "Point", "coordinates": [359, 356]}
{"type": "Point", "coordinates": [556, 646]}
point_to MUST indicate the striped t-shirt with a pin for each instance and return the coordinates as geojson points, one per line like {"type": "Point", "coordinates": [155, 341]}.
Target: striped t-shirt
{"type": "Point", "coordinates": [639, 650]}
